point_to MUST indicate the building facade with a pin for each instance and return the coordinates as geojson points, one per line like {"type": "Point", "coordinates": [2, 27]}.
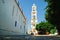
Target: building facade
{"type": "Point", "coordinates": [12, 19]}
{"type": "Point", "coordinates": [33, 17]}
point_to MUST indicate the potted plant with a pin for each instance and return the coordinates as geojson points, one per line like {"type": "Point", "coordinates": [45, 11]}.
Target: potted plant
{"type": "Point", "coordinates": [47, 32]}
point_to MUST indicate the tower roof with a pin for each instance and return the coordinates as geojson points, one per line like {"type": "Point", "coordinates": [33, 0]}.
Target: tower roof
{"type": "Point", "coordinates": [33, 4]}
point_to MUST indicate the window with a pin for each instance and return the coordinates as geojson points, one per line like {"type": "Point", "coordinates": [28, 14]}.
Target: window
{"type": "Point", "coordinates": [24, 28]}
{"type": "Point", "coordinates": [15, 23]}
{"type": "Point", "coordinates": [34, 17]}
{"type": "Point", "coordinates": [33, 24]}
{"type": "Point", "coordinates": [13, 10]}
{"type": "Point", "coordinates": [33, 8]}
{"type": "Point", "coordinates": [3, 1]}
{"type": "Point", "coordinates": [33, 20]}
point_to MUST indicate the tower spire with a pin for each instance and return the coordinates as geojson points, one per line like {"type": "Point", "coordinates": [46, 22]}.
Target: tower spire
{"type": "Point", "coordinates": [33, 4]}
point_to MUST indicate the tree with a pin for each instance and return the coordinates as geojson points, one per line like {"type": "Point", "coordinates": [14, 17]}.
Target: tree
{"type": "Point", "coordinates": [45, 27]}
{"type": "Point", "coordinates": [53, 13]}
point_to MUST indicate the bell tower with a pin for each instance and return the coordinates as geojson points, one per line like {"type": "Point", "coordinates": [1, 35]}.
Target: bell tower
{"type": "Point", "coordinates": [33, 17]}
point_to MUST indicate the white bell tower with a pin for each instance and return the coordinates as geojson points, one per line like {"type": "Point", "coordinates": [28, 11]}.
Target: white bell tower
{"type": "Point", "coordinates": [33, 17]}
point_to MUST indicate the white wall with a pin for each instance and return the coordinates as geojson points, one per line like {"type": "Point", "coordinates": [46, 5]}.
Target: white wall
{"type": "Point", "coordinates": [9, 13]}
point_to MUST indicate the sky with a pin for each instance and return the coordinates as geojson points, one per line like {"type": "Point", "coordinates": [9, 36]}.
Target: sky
{"type": "Point", "coordinates": [26, 6]}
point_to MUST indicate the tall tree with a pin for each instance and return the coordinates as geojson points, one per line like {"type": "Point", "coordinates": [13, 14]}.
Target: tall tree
{"type": "Point", "coordinates": [52, 13]}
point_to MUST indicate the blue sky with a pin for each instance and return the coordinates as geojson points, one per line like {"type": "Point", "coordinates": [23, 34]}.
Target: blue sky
{"type": "Point", "coordinates": [26, 6]}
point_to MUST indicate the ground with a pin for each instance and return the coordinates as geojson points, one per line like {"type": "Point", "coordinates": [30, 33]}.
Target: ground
{"type": "Point", "coordinates": [29, 37]}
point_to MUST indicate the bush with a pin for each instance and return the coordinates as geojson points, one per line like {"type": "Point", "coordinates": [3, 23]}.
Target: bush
{"type": "Point", "coordinates": [44, 27]}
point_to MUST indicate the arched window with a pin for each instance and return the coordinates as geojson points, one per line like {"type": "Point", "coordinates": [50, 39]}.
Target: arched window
{"type": "Point", "coordinates": [33, 24]}
{"type": "Point", "coordinates": [33, 8]}
{"type": "Point", "coordinates": [33, 16]}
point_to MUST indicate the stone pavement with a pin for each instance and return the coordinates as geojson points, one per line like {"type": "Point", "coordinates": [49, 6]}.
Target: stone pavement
{"type": "Point", "coordinates": [29, 37]}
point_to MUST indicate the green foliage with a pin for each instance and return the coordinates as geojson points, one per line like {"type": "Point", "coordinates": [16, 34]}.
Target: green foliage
{"type": "Point", "coordinates": [52, 31]}
{"type": "Point", "coordinates": [45, 26]}
{"type": "Point", "coordinates": [53, 13]}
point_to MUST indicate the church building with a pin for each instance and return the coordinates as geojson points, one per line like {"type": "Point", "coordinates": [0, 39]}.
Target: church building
{"type": "Point", "coordinates": [33, 18]}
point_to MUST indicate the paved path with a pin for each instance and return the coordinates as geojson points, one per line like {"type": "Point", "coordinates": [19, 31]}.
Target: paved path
{"type": "Point", "coordinates": [29, 37]}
